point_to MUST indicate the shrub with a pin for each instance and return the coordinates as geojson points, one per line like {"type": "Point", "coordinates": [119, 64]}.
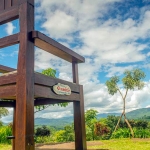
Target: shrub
{"type": "Point", "coordinates": [5, 131]}
{"type": "Point", "coordinates": [43, 131]}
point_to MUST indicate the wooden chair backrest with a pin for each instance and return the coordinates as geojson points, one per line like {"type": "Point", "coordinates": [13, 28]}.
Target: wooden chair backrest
{"type": "Point", "coordinates": [6, 4]}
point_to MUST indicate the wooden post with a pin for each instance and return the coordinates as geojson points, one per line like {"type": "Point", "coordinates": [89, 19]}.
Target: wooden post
{"type": "Point", "coordinates": [24, 126]}
{"type": "Point", "coordinates": [79, 120]}
{"type": "Point", "coordinates": [14, 120]}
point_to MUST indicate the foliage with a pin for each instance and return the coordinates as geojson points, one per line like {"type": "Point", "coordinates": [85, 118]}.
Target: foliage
{"type": "Point", "coordinates": [130, 81]}
{"type": "Point", "coordinates": [49, 72]}
{"type": "Point", "coordinates": [90, 120]}
{"type": "Point", "coordinates": [64, 135]}
{"type": "Point", "coordinates": [3, 111]}
{"type": "Point", "coordinates": [102, 130]}
{"type": "Point", "coordinates": [5, 131]}
{"type": "Point", "coordinates": [43, 131]}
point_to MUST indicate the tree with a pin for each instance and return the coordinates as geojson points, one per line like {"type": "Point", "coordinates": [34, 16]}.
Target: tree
{"type": "Point", "coordinates": [131, 80]}
{"type": "Point", "coordinates": [42, 131]}
{"type": "Point", "coordinates": [3, 112]}
{"type": "Point", "coordinates": [90, 120]}
{"type": "Point", "coordinates": [52, 73]}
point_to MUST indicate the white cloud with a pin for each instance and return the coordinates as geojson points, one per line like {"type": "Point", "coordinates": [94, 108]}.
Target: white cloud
{"type": "Point", "coordinates": [9, 28]}
{"type": "Point", "coordinates": [104, 39]}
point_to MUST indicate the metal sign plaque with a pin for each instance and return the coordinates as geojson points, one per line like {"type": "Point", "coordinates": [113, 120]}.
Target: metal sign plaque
{"type": "Point", "coordinates": [62, 89]}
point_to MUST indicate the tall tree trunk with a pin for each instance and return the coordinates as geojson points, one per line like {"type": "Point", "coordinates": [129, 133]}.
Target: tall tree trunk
{"type": "Point", "coordinates": [124, 114]}
{"type": "Point", "coordinates": [118, 122]}
{"type": "Point", "coordinates": [127, 122]}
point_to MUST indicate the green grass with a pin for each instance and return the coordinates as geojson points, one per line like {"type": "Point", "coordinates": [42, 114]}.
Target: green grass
{"type": "Point", "coordinates": [5, 147]}
{"type": "Point", "coordinates": [114, 144]}
{"type": "Point", "coordinates": [123, 144]}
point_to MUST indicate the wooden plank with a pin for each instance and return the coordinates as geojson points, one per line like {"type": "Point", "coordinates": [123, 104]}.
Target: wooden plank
{"type": "Point", "coordinates": [7, 4]}
{"type": "Point", "coordinates": [46, 92]}
{"type": "Point", "coordinates": [7, 104]}
{"type": "Point", "coordinates": [44, 42]}
{"type": "Point", "coordinates": [8, 92]}
{"type": "Point", "coordinates": [9, 40]}
{"type": "Point", "coordinates": [9, 15]}
{"type": "Point", "coordinates": [24, 1]}
{"type": "Point", "coordinates": [24, 126]}
{"type": "Point", "coordinates": [8, 78]}
{"type": "Point", "coordinates": [5, 69]}
{"type": "Point", "coordinates": [48, 101]}
{"type": "Point", "coordinates": [14, 2]}
{"type": "Point", "coordinates": [2, 5]}
{"type": "Point", "coordinates": [13, 128]}
{"type": "Point", "coordinates": [49, 81]}
{"type": "Point", "coordinates": [79, 121]}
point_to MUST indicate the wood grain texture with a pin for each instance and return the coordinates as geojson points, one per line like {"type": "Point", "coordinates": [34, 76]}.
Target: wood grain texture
{"type": "Point", "coordinates": [8, 4]}
{"type": "Point", "coordinates": [49, 81]}
{"type": "Point", "coordinates": [13, 128]}
{"type": "Point", "coordinates": [46, 92]}
{"type": "Point", "coordinates": [8, 78]}
{"type": "Point", "coordinates": [44, 42]}
{"type": "Point", "coordinates": [9, 40]}
{"type": "Point", "coordinates": [9, 15]}
{"type": "Point", "coordinates": [24, 126]}
{"type": "Point", "coordinates": [2, 5]}
{"type": "Point", "coordinates": [79, 121]}
{"type": "Point", "coordinates": [14, 2]}
{"type": "Point", "coordinates": [8, 92]}
{"type": "Point", "coordinates": [24, 1]}
{"type": "Point", "coordinates": [5, 69]}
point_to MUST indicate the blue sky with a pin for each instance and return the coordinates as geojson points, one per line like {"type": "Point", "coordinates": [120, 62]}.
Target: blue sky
{"type": "Point", "coordinates": [112, 35]}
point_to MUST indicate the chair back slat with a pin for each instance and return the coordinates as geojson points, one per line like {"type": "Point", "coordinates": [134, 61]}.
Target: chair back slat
{"type": "Point", "coordinates": [6, 4]}
{"type": "Point", "coordinates": [2, 5]}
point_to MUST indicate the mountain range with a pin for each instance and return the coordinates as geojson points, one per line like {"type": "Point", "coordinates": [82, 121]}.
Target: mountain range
{"type": "Point", "coordinates": [143, 113]}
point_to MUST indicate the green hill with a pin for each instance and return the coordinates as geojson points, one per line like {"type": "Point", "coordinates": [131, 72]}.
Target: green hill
{"type": "Point", "coordinates": [143, 113]}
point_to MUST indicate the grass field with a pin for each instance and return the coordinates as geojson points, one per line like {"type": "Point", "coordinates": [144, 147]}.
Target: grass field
{"type": "Point", "coordinates": [123, 144]}
{"type": "Point", "coordinates": [117, 144]}
{"type": "Point", "coordinates": [5, 147]}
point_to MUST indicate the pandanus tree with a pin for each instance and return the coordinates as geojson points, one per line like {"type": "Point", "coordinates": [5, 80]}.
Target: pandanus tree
{"type": "Point", "coordinates": [131, 80]}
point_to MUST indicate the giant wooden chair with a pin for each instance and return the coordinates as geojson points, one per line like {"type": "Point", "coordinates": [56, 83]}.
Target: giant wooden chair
{"type": "Point", "coordinates": [25, 88]}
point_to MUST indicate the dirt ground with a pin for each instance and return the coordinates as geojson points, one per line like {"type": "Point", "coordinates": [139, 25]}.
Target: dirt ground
{"type": "Point", "coordinates": [64, 146]}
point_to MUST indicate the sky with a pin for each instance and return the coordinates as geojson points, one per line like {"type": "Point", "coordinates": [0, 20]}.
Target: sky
{"type": "Point", "coordinates": [112, 35]}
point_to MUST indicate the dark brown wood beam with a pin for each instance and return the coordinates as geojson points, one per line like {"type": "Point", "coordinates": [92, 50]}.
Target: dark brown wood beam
{"type": "Point", "coordinates": [8, 92]}
{"type": "Point", "coordinates": [44, 42]}
{"type": "Point", "coordinates": [8, 78]}
{"type": "Point", "coordinates": [48, 101]}
{"type": "Point", "coordinates": [9, 40]}
{"type": "Point", "coordinates": [7, 103]}
{"type": "Point", "coordinates": [50, 81]}
{"type": "Point", "coordinates": [5, 69]}
{"type": "Point", "coordinates": [79, 120]}
{"type": "Point", "coordinates": [24, 125]}
{"type": "Point", "coordinates": [9, 15]}
{"type": "Point", "coordinates": [46, 92]}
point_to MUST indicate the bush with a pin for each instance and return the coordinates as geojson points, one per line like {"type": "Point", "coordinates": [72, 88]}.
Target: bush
{"type": "Point", "coordinates": [43, 131]}
{"type": "Point", "coordinates": [121, 133]}
{"type": "Point", "coordinates": [5, 131]}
